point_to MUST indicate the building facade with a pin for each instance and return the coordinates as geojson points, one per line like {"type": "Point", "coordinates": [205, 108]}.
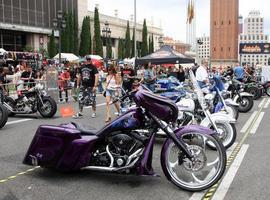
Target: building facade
{"type": "Point", "coordinates": [224, 32]}
{"type": "Point", "coordinates": [118, 30]}
{"type": "Point", "coordinates": [203, 49]}
{"type": "Point", "coordinates": [254, 23]}
{"type": "Point", "coordinates": [28, 23]}
{"type": "Point", "coordinates": [177, 45]}
{"type": "Point", "coordinates": [253, 41]}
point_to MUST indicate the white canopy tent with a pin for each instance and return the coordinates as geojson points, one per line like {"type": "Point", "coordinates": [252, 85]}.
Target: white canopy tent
{"type": "Point", "coordinates": [67, 57]}
{"type": "Point", "coordinates": [95, 57]}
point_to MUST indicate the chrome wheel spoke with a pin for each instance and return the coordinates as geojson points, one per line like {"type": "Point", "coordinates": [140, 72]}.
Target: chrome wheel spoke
{"type": "Point", "coordinates": [197, 180]}
{"type": "Point", "coordinates": [174, 164]}
{"type": "Point", "coordinates": [213, 163]}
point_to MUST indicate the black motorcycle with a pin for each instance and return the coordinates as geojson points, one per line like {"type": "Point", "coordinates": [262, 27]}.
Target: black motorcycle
{"type": "Point", "coordinates": [3, 112]}
{"type": "Point", "coordinates": [31, 101]}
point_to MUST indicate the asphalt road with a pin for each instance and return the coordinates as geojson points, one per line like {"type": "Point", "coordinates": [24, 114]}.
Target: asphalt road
{"type": "Point", "coordinates": [246, 178]}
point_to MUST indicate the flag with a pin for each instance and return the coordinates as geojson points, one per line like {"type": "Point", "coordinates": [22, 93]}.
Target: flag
{"type": "Point", "coordinates": [188, 11]}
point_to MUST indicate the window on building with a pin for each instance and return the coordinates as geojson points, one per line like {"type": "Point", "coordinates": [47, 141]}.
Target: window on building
{"type": "Point", "coordinates": [215, 23]}
{"type": "Point", "coordinates": [229, 22]}
{"type": "Point", "coordinates": [221, 48]}
{"type": "Point", "coordinates": [229, 48]}
{"type": "Point", "coordinates": [214, 48]}
{"type": "Point", "coordinates": [221, 22]}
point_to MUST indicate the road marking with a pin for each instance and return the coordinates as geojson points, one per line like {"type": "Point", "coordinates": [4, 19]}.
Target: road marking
{"type": "Point", "coordinates": [228, 179]}
{"type": "Point", "coordinates": [262, 102]}
{"type": "Point", "coordinates": [18, 121]}
{"type": "Point", "coordinates": [267, 104]}
{"type": "Point", "coordinates": [234, 154]}
{"type": "Point", "coordinates": [18, 174]}
{"type": "Point", "coordinates": [257, 123]}
{"type": "Point", "coordinates": [247, 124]}
{"type": "Point", "coordinates": [199, 195]}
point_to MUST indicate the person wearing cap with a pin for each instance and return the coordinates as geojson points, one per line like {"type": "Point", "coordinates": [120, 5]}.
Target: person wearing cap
{"type": "Point", "coordinates": [87, 81]}
{"type": "Point", "coordinates": [127, 75]}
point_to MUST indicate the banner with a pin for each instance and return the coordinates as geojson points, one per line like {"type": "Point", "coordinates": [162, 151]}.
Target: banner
{"type": "Point", "coordinates": [254, 48]}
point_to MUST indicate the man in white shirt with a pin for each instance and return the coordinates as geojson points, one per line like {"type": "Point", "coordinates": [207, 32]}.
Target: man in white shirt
{"type": "Point", "coordinates": [202, 75]}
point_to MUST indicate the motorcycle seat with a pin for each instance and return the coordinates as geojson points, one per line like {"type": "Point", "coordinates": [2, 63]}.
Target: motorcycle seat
{"type": "Point", "coordinates": [85, 130]}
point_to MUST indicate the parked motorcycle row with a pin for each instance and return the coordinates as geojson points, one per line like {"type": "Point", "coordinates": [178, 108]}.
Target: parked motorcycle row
{"type": "Point", "coordinates": [198, 126]}
{"type": "Point", "coordinates": [28, 101]}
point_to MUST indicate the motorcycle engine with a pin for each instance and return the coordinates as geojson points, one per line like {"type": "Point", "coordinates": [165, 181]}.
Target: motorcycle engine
{"type": "Point", "coordinates": [121, 146]}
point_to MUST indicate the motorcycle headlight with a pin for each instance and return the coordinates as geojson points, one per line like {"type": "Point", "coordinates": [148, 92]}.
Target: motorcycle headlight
{"type": "Point", "coordinates": [44, 93]}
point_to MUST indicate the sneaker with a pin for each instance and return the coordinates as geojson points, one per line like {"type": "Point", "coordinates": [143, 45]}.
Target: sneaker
{"type": "Point", "coordinates": [93, 115]}
{"type": "Point", "coordinates": [77, 116]}
{"type": "Point", "coordinates": [117, 113]}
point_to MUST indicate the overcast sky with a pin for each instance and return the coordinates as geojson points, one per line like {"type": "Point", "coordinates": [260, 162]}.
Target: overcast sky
{"type": "Point", "coordinates": [172, 13]}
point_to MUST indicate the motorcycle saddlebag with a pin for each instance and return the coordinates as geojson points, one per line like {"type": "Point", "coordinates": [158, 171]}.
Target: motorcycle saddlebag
{"type": "Point", "coordinates": [49, 144]}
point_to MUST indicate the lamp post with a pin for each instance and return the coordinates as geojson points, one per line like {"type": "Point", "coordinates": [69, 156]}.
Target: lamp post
{"type": "Point", "coordinates": [106, 33]}
{"type": "Point", "coordinates": [135, 27]}
{"type": "Point", "coordinates": [59, 24]}
{"type": "Point", "coordinates": [160, 41]}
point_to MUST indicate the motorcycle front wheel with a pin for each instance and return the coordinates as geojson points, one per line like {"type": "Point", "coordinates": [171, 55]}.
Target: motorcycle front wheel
{"type": "Point", "coordinates": [267, 90]}
{"type": "Point", "coordinates": [245, 105]}
{"type": "Point", "coordinates": [227, 134]}
{"type": "Point", "coordinates": [49, 109]}
{"type": "Point", "coordinates": [3, 116]}
{"type": "Point", "coordinates": [195, 175]}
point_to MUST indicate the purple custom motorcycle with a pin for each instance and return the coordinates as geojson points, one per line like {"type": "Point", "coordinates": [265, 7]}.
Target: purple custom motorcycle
{"type": "Point", "coordinates": [121, 146]}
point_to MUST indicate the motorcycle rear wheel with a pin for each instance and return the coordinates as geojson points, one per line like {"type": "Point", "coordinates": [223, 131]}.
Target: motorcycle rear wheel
{"type": "Point", "coordinates": [191, 175]}
{"type": "Point", "coordinates": [49, 109]}
{"type": "Point", "coordinates": [3, 116]}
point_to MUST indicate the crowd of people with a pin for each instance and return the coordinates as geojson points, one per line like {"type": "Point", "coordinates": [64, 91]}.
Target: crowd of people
{"type": "Point", "coordinates": [111, 82]}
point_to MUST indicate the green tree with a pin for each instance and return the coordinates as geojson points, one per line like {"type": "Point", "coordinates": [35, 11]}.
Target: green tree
{"type": "Point", "coordinates": [152, 44]}
{"type": "Point", "coordinates": [85, 37]}
{"type": "Point", "coordinates": [71, 32]}
{"type": "Point", "coordinates": [52, 46]}
{"type": "Point", "coordinates": [144, 47]}
{"type": "Point", "coordinates": [76, 30]}
{"type": "Point", "coordinates": [127, 42]}
{"type": "Point", "coordinates": [65, 36]}
{"type": "Point", "coordinates": [98, 46]}
{"type": "Point", "coordinates": [109, 47]}
{"type": "Point", "coordinates": [121, 49]}
{"type": "Point", "coordinates": [132, 44]}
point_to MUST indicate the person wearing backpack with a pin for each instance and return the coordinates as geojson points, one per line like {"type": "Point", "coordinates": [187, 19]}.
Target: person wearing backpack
{"type": "Point", "coordinates": [87, 80]}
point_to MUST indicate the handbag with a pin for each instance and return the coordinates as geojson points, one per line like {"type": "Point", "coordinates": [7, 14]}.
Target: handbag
{"type": "Point", "coordinates": [104, 93]}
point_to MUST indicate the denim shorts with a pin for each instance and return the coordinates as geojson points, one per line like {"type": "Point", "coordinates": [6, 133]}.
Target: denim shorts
{"type": "Point", "coordinates": [110, 93]}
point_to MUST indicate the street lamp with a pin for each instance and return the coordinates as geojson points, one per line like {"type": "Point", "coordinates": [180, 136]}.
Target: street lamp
{"type": "Point", "coordinates": [59, 24]}
{"type": "Point", "coordinates": [160, 41]}
{"type": "Point", "coordinates": [106, 33]}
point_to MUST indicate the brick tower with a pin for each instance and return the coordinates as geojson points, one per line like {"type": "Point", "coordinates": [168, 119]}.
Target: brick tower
{"type": "Point", "coordinates": [224, 32]}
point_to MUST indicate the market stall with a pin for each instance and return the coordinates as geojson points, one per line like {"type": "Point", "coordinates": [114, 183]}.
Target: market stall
{"type": "Point", "coordinates": [165, 55]}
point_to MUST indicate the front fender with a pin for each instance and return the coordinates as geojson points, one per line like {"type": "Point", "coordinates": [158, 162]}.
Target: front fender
{"type": "Point", "coordinates": [193, 128]}
{"type": "Point", "coordinates": [231, 102]}
{"type": "Point", "coordinates": [217, 117]}
{"type": "Point", "coordinates": [242, 94]}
